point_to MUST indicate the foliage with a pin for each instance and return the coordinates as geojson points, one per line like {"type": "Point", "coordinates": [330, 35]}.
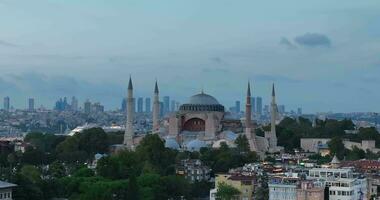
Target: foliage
{"type": "Point", "coordinates": [225, 158]}
{"type": "Point", "coordinates": [321, 159]}
{"type": "Point", "coordinates": [242, 144]}
{"type": "Point", "coordinates": [226, 192]}
{"type": "Point", "coordinates": [336, 147]}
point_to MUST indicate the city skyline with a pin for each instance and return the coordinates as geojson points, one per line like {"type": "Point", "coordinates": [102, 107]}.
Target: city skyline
{"type": "Point", "coordinates": [319, 54]}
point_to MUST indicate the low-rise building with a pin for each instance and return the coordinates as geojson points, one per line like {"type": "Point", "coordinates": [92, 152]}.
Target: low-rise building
{"type": "Point", "coordinates": [6, 190]}
{"type": "Point", "coordinates": [245, 184]}
{"type": "Point", "coordinates": [318, 145]}
{"type": "Point", "coordinates": [283, 188]}
{"type": "Point", "coordinates": [193, 170]}
{"type": "Point", "coordinates": [340, 183]}
{"type": "Point", "coordinates": [309, 190]}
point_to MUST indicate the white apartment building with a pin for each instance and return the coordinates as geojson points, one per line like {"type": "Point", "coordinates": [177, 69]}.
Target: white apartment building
{"type": "Point", "coordinates": [341, 183]}
{"type": "Point", "coordinates": [282, 191]}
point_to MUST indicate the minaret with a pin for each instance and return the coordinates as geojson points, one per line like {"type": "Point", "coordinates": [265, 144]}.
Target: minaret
{"type": "Point", "coordinates": [156, 109]}
{"type": "Point", "coordinates": [248, 107]}
{"type": "Point", "coordinates": [248, 124]}
{"type": "Point", "coordinates": [129, 131]}
{"type": "Point", "coordinates": [273, 137]}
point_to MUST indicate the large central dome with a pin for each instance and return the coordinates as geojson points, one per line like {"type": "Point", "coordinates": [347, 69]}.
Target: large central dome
{"type": "Point", "coordinates": [202, 102]}
{"type": "Point", "coordinates": [203, 99]}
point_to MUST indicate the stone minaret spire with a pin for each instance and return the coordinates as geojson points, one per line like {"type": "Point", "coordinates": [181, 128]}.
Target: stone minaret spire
{"type": "Point", "coordinates": [248, 107]}
{"type": "Point", "coordinates": [249, 133]}
{"type": "Point", "coordinates": [156, 109]}
{"type": "Point", "coordinates": [273, 137]}
{"type": "Point", "coordinates": [129, 131]}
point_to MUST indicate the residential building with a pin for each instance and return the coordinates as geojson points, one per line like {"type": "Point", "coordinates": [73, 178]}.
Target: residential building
{"type": "Point", "coordinates": [193, 170]}
{"type": "Point", "coordinates": [340, 183]}
{"type": "Point", "coordinates": [245, 184]}
{"type": "Point", "coordinates": [6, 190]}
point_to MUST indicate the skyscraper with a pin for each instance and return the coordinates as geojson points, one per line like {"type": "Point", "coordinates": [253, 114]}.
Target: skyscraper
{"type": "Point", "coordinates": [7, 103]}
{"type": "Point", "coordinates": [97, 107]}
{"type": "Point", "coordinates": [253, 105]}
{"type": "Point", "coordinates": [237, 106]}
{"type": "Point", "coordinates": [87, 107]}
{"type": "Point", "coordinates": [124, 105]}
{"type": "Point", "coordinates": [140, 103]}
{"type": "Point", "coordinates": [259, 105]}
{"type": "Point", "coordinates": [166, 104]}
{"type": "Point", "coordinates": [147, 105]}
{"type": "Point", "coordinates": [161, 108]}
{"type": "Point", "coordinates": [299, 111]}
{"type": "Point", "coordinates": [281, 109]}
{"type": "Point", "coordinates": [74, 104]}
{"type": "Point", "coordinates": [31, 104]}
{"type": "Point", "coordinates": [172, 106]}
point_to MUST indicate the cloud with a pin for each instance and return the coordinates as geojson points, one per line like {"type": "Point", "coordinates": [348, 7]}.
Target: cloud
{"type": "Point", "coordinates": [285, 42]}
{"type": "Point", "coordinates": [313, 40]}
{"type": "Point", "coordinates": [210, 70]}
{"type": "Point", "coordinates": [276, 78]}
{"type": "Point", "coordinates": [7, 44]}
{"type": "Point", "coordinates": [217, 60]}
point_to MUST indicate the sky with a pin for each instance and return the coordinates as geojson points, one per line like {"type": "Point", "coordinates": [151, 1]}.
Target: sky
{"type": "Point", "coordinates": [322, 55]}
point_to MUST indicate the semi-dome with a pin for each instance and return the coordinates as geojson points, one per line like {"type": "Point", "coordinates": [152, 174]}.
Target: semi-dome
{"type": "Point", "coordinates": [195, 145]}
{"type": "Point", "coordinates": [203, 99]}
{"type": "Point", "coordinates": [202, 102]}
{"type": "Point", "coordinates": [171, 143]}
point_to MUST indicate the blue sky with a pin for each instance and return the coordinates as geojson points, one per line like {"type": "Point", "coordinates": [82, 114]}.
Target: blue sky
{"type": "Point", "coordinates": [322, 55]}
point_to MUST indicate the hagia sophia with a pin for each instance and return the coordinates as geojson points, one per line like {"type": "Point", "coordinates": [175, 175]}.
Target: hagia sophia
{"type": "Point", "coordinates": [203, 122]}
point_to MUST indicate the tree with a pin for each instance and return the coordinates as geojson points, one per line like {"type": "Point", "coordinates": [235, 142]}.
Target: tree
{"type": "Point", "coordinates": [57, 170]}
{"type": "Point", "coordinates": [227, 192]}
{"type": "Point", "coordinates": [261, 193]}
{"type": "Point", "coordinates": [355, 154]}
{"type": "Point", "coordinates": [152, 150]}
{"type": "Point", "coordinates": [242, 143]}
{"type": "Point", "coordinates": [133, 188]}
{"type": "Point", "coordinates": [336, 147]}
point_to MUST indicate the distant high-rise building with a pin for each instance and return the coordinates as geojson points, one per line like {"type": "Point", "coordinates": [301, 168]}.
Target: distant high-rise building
{"type": "Point", "coordinates": [259, 105]}
{"type": "Point", "coordinates": [281, 109]}
{"type": "Point", "coordinates": [65, 104]}
{"type": "Point", "coordinates": [87, 107]}
{"type": "Point", "coordinates": [237, 106]}
{"type": "Point", "coordinates": [253, 105]}
{"type": "Point", "coordinates": [62, 104]}
{"type": "Point", "coordinates": [7, 103]}
{"type": "Point", "coordinates": [266, 109]}
{"type": "Point", "coordinates": [299, 111]}
{"type": "Point", "coordinates": [97, 107]}
{"type": "Point", "coordinates": [31, 104]}
{"type": "Point", "coordinates": [166, 104]}
{"type": "Point", "coordinates": [124, 105]}
{"type": "Point", "coordinates": [74, 103]}
{"type": "Point", "coordinates": [140, 104]}
{"type": "Point", "coordinates": [161, 109]}
{"type": "Point", "coordinates": [177, 105]}
{"type": "Point", "coordinates": [147, 105]}
{"type": "Point", "coordinates": [172, 106]}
